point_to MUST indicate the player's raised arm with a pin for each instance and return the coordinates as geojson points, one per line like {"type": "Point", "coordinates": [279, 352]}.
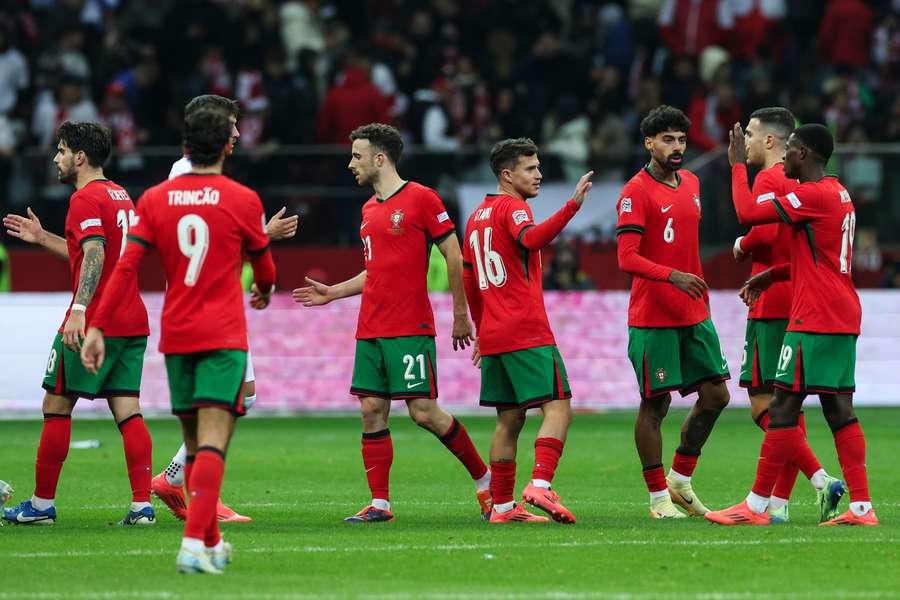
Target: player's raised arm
{"type": "Point", "coordinates": [280, 227]}
{"type": "Point", "coordinates": [462, 328]}
{"type": "Point", "coordinates": [317, 294]}
{"type": "Point", "coordinates": [30, 230]}
{"type": "Point", "coordinates": [88, 280]}
{"type": "Point", "coordinates": [536, 237]}
{"type": "Point", "coordinates": [749, 212]}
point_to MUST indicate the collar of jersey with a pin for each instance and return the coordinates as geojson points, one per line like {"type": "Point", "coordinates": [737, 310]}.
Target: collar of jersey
{"type": "Point", "coordinates": [655, 178]}
{"type": "Point", "coordinates": [398, 190]}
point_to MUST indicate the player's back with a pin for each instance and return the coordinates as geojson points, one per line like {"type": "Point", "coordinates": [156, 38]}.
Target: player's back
{"type": "Point", "coordinates": [200, 223]}
{"type": "Point", "coordinates": [509, 276]}
{"type": "Point", "coordinates": [775, 302]}
{"type": "Point", "coordinates": [824, 223]}
{"type": "Point", "coordinates": [103, 210]}
{"type": "Point", "coordinates": [668, 219]}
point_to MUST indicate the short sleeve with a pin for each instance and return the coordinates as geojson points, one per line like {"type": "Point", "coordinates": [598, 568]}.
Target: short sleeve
{"type": "Point", "coordinates": [518, 218]}
{"type": "Point", "coordinates": [803, 204]}
{"type": "Point", "coordinates": [436, 220]}
{"type": "Point", "coordinates": [631, 210]}
{"type": "Point", "coordinates": [140, 231]}
{"type": "Point", "coordinates": [84, 218]}
{"type": "Point", "coordinates": [253, 228]}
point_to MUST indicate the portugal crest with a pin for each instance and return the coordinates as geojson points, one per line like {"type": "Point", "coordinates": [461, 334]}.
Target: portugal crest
{"type": "Point", "coordinates": [661, 373]}
{"type": "Point", "coordinates": [396, 221]}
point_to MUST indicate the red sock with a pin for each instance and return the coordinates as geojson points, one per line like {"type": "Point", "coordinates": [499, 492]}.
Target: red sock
{"type": "Point", "coordinates": [784, 485]}
{"type": "Point", "coordinates": [378, 454]}
{"type": "Point", "coordinates": [188, 467]}
{"type": "Point", "coordinates": [684, 464]}
{"type": "Point", "coordinates": [213, 534]}
{"type": "Point", "coordinates": [206, 483]}
{"type": "Point", "coordinates": [460, 444]}
{"type": "Point", "coordinates": [547, 451]}
{"type": "Point", "coordinates": [51, 454]}
{"type": "Point", "coordinates": [804, 458]}
{"type": "Point", "coordinates": [851, 450]}
{"type": "Point", "coordinates": [762, 421]}
{"type": "Point", "coordinates": [503, 481]}
{"type": "Point", "coordinates": [138, 456]}
{"type": "Point", "coordinates": [655, 477]}
{"type": "Point", "coordinates": [779, 446]}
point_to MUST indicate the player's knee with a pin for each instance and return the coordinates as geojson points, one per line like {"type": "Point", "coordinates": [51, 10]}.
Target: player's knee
{"type": "Point", "coordinates": [422, 417]}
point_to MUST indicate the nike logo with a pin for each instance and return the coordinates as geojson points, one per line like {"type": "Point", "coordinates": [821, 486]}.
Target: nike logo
{"type": "Point", "coordinates": [21, 519]}
{"type": "Point", "coordinates": [409, 386]}
{"type": "Point", "coordinates": [666, 209]}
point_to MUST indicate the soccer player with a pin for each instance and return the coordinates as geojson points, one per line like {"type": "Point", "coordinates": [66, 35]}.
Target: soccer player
{"type": "Point", "coordinates": [199, 223]}
{"type": "Point", "coordinates": [770, 245]}
{"type": "Point", "coordinates": [818, 354]}
{"type": "Point", "coordinates": [521, 367]}
{"type": "Point", "coordinates": [672, 342]}
{"type": "Point", "coordinates": [99, 217]}
{"type": "Point", "coordinates": [169, 484]}
{"type": "Point", "coordinates": [395, 350]}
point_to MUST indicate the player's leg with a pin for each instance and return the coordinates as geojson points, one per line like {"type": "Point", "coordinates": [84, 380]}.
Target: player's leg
{"type": "Point", "coordinates": [224, 513]}
{"type": "Point", "coordinates": [53, 448]}
{"type": "Point", "coordinates": [703, 369]}
{"type": "Point", "coordinates": [138, 448]}
{"type": "Point", "coordinates": [654, 355]}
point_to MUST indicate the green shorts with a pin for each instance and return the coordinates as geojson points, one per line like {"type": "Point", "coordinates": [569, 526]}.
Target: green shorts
{"type": "Point", "coordinates": [524, 378]}
{"type": "Point", "coordinates": [120, 374]}
{"type": "Point", "coordinates": [399, 368]}
{"type": "Point", "coordinates": [816, 363]}
{"type": "Point", "coordinates": [666, 359]}
{"type": "Point", "coordinates": [762, 347]}
{"type": "Point", "coordinates": [203, 379]}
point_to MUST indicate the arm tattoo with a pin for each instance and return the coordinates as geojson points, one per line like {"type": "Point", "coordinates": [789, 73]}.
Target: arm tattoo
{"type": "Point", "coordinates": [91, 269]}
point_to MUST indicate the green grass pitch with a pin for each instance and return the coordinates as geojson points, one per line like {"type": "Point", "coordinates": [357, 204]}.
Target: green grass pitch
{"type": "Point", "coordinates": [298, 477]}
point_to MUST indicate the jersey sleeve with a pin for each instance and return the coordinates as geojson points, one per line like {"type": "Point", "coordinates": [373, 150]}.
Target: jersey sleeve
{"type": "Point", "coordinates": [141, 231]}
{"type": "Point", "coordinates": [84, 218]}
{"type": "Point", "coordinates": [518, 218]}
{"type": "Point", "coordinates": [436, 220]}
{"type": "Point", "coordinates": [631, 210]}
{"type": "Point", "coordinates": [253, 227]}
{"type": "Point", "coordinates": [803, 204]}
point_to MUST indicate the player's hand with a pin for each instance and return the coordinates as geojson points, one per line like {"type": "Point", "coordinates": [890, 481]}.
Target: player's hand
{"type": "Point", "coordinates": [688, 283]}
{"type": "Point", "coordinates": [73, 331]}
{"type": "Point", "coordinates": [582, 188]}
{"type": "Point", "coordinates": [315, 294]}
{"type": "Point", "coordinates": [279, 228]}
{"type": "Point", "coordinates": [739, 255]}
{"type": "Point", "coordinates": [462, 331]}
{"type": "Point", "coordinates": [258, 300]}
{"type": "Point", "coordinates": [755, 286]}
{"type": "Point", "coordinates": [737, 151]}
{"type": "Point", "coordinates": [26, 229]}
{"type": "Point", "coordinates": [93, 352]}
{"type": "Point", "coordinates": [476, 355]}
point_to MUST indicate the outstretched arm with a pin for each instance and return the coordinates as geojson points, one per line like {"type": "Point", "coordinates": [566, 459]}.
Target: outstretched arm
{"type": "Point", "coordinates": [30, 230]}
{"type": "Point", "coordinates": [316, 293]}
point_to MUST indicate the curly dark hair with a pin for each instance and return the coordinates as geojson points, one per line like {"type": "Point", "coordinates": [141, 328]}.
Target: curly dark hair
{"type": "Point", "coordinates": [385, 138]}
{"type": "Point", "coordinates": [664, 118]}
{"type": "Point", "coordinates": [206, 133]}
{"type": "Point", "coordinates": [93, 139]}
{"type": "Point", "coordinates": [505, 153]}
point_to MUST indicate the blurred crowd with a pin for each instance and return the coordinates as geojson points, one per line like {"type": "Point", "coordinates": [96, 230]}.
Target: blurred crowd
{"type": "Point", "coordinates": [454, 75]}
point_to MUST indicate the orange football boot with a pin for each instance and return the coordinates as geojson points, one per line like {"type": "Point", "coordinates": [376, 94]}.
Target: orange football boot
{"type": "Point", "coordinates": [739, 514]}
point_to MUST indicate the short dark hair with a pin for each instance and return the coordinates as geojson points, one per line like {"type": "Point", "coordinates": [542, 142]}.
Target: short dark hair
{"type": "Point", "coordinates": [206, 133]}
{"type": "Point", "coordinates": [664, 118]}
{"type": "Point", "coordinates": [227, 105]}
{"type": "Point", "coordinates": [93, 139]}
{"type": "Point", "coordinates": [817, 138]}
{"type": "Point", "coordinates": [505, 153]}
{"type": "Point", "coordinates": [777, 119]}
{"type": "Point", "coordinates": [385, 138]}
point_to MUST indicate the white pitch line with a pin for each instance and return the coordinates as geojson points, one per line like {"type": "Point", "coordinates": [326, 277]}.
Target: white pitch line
{"type": "Point", "coordinates": [498, 547]}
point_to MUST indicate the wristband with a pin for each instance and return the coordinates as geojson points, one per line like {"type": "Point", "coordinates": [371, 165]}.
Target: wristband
{"type": "Point", "coordinates": [78, 307]}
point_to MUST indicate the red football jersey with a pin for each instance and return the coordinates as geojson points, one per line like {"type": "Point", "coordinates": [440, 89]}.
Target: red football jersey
{"type": "Point", "coordinates": [823, 222]}
{"type": "Point", "coordinates": [668, 218]}
{"type": "Point", "coordinates": [200, 224]}
{"type": "Point", "coordinates": [397, 233]}
{"type": "Point", "coordinates": [509, 276]}
{"type": "Point", "coordinates": [103, 210]}
{"type": "Point", "coordinates": [775, 246]}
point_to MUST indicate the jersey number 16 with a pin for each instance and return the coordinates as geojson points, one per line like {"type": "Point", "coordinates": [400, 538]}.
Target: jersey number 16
{"type": "Point", "coordinates": [489, 264]}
